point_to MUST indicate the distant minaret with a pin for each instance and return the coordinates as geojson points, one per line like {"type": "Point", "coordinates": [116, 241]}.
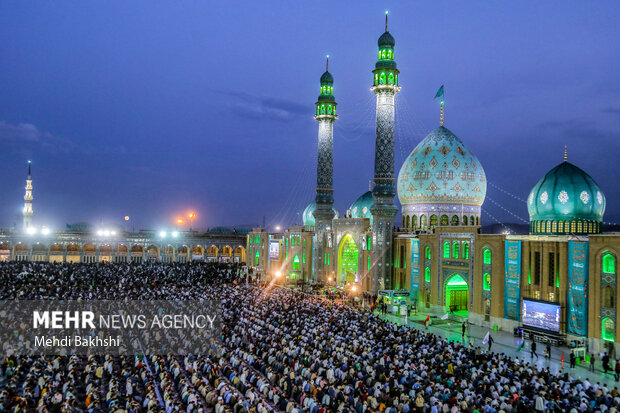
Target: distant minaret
{"type": "Point", "coordinates": [383, 210]}
{"type": "Point", "coordinates": [324, 213]}
{"type": "Point", "coordinates": [28, 212]}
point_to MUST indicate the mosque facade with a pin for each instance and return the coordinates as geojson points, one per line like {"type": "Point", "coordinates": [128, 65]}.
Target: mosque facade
{"type": "Point", "coordinates": [558, 283]}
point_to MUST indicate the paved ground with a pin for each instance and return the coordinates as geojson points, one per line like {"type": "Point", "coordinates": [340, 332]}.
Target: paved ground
{"type": "Point", "coordinates": [507, 343]}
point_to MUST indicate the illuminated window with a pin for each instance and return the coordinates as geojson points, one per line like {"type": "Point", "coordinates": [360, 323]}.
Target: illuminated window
{"type": "Point", "coordinates": [609, 264]}
{"type": "Point", "coordinates": [554, 226]}
{"type": "Point", "coordinates": [427, 274]}
{"type": "Point", "coordinates": [446, 249]}
{"type": "Point", "coordinates": [579, 226]}
{"type": "Point", "coordinates": [486, 256]}
{"type": "Point", "coordinates": [257, 258]}
{"type": "Point", "coordinates": [414, 221]}
{"type": "Point", "coordinates": [548, 226]}
{"type": "Point", "coordinates": [464, 219]}
{"type": "Point", "coordinates": [368, 263]}
{"type": "Point", "coordinates": [382, 79]}
{"type": "Point", "coordinates": [286, 242]}
{"type": "Point", "coordinates": [573, 226]}
{"type": "Point", "coordinates": [391, 79]}
{"type": "Point", "coordinates": [486, 281]}
{"type": "Point", "coordinates": [608, 329]}
{"type": "Point", "coordinates": [560, 226]}
{"type": "Point", "coordinates": [303, 257]}
{"type": "Point", "coordinates": [427, 252]}
{"type": "Point", "coordinates": [296, 263]}
{"type": "Point", "coordinates": [433, 220]}
{"type": "Point", "coordinates": [444, 220]}
{"type": "Point", "coordinates": [609, 297]}
{"type": "Point", "coordinates": [455, 250]}
{"type": "Point", "coordinates": [466, 250]}
{"type": "Point", "coordinates": [304, 244]}
{"type": "Point", "coordinates": [368, 243]}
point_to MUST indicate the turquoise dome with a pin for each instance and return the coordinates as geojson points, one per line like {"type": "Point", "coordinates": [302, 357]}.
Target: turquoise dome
{"type": "Point", "coordinates": [361, 207]}
{"type": "Point", "coordinates": [566, 200]}
{"type": "Point", "coordinates": [441, 183]}
{"type": "Point", "coordinates": [386, 39]}
{"type": "Point", "coordinates": [327, 78]}
{"type": "Point", "coordinates": [308, 215]}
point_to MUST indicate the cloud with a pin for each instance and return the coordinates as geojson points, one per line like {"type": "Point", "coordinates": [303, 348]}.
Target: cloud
{"type": "Point", "coordinates": [578, 129]}
{"type": "Point", "coordinates": [23, 132]}
{"type": "Point", "coordinates": [261, 107]}
{"type": "Point", "coordinates": [29, 134]}
{"type": "Point", "coordinates": [611, 110]}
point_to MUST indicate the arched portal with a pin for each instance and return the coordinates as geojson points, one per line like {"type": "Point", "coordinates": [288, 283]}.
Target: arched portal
{"type": "Point", "coordinates": [106, 253]}
{"type": "Point", "coordinates": [608, 329]}
{"type": "Point", "coordinates": [39, 252]}
{"type": "Point", "coordinates": [239, 254]}
{"type": "Point", "coordinates": [89, 253]}
{"type": "Point", "coordinates": [73, 253]}
{"type": "Point", "coordinates": [20, 252]}
{"type": "Point", "coordinates": [5, 251]}
{"type": "Point", "coordinates": [122, 253]}
{"type": "Point", "coordinates": [348, 259]}
{"type": "Point", "coordinates": [152, 252]}
{"type": "Point", "coordinates": [457, 294]}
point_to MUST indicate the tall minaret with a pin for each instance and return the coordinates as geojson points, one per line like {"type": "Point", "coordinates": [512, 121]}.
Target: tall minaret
{"type": "Point", "coordinates": [324, 213]}
{"type": "Point", "coordinates": [383, 210]}
{"type": "Point", "coordinates": [28, 212]}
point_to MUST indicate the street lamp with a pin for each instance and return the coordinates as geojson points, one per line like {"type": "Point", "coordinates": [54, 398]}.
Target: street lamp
{"type": "Point", "coordinates": [191, 216]}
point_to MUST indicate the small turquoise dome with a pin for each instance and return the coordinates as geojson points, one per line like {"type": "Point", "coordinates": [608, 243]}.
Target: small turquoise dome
{"type": "Point", "coordinates": [327, 78]}
{"type": "Point", "coordinates": [308, 215]}
{"type": "Point", "coordinates": [361, 207]}
{"type": "Point", "coordinates": [386, 39]}
{"type": "Point", "coordinates": [441, 183]}
{"type": "Point", "coordinates": [566, 200]}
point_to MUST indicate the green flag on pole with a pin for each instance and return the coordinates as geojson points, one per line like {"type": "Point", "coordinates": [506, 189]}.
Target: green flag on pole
{"type": "Point", "coordinates": [521, 346]}
{"type": "Point", "coordinates": [439, 92]}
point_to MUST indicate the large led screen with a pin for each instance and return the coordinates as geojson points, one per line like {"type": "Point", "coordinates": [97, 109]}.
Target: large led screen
{"type": "Point", "coordinates": [541, 315]}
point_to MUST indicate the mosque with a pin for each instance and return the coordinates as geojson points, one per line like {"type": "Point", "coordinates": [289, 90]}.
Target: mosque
{"type": "Point", "coordinates": [557, 284]}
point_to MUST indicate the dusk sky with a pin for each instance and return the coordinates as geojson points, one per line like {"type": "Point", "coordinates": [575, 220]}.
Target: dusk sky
{"type": "Point", "coordinates": [154, 108]}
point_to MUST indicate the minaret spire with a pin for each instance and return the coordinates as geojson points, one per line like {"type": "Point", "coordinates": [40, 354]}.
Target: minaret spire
{"type": "Point", "coordinates": [441, 113]}
{"type": "Point", "coordinates": [27, 211]}
{"type": "Point", "coordinates": [565, 154]}
{"type": "Point", "coordinates": [324, 213]}
{"type": "Point", "coordinates": [383, 210]}
{"type": "Point", "coordinates": [386, 20]}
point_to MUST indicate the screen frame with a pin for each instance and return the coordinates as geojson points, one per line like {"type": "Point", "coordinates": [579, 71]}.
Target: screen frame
{"type": "Point", "coordinates": [530, 327]}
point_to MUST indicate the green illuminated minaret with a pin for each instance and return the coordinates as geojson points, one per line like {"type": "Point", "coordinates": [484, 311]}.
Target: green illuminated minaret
{"type": "Point", "coordinates": [385, 86]}
{"type": "Point", "coordinates": [324, 213]}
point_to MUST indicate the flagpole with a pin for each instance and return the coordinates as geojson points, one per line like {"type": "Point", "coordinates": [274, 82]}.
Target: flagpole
{"type": "Point", "coordinates": [441, 113]}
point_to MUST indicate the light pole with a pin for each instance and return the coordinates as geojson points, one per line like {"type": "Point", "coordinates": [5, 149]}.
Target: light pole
{"type": "Point", "coordinates": [191, 216]}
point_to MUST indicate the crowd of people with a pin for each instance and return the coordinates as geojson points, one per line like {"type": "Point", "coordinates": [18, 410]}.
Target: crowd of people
{"type": "Point", "coordinates": [281, 351]}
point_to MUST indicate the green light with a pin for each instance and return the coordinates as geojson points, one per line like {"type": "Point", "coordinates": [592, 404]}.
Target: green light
{"type": "Point", "coordinates": [442, 102]}
{"type": "Point", "coordinates": [348, 259]}
{"type": "Point", "coordinates": [386, 12]}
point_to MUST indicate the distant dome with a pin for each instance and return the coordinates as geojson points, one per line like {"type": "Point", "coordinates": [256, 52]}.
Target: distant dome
{"type": "Point", "coordinates": [566, 200]}
{"type": "Point", "coordinates": [386, 39]}
{"type": "Point", "coordinates": [361, 207]}
{"type": "Point", "coordinates": [308, 215]}
{"type": "Point", "coordinates": [441, 183]}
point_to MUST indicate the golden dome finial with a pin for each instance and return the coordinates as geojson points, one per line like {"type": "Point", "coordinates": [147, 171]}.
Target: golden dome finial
{"type": "Point", "coordinates": [565, 154]}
